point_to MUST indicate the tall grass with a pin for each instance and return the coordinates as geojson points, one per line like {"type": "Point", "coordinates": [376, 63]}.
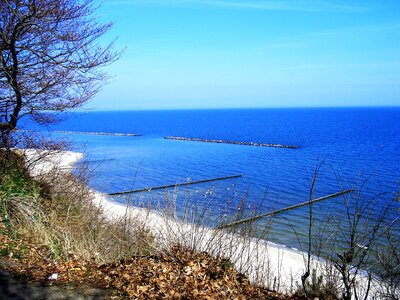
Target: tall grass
{"type": "Point", "coordinates": [57, 211]}
{"type": "Point", "coordinates": [193, 224]}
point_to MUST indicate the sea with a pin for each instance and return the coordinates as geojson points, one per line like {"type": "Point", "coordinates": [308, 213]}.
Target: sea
{"type": "Point", "coordinates": [341, 148]}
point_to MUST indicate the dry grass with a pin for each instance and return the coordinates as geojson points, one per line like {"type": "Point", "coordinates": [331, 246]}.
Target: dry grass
{"type": "Point", "coordinates": [57, 211]}
{"type": "Point", "coordinates": [69, 235]}
{"type": "Point", "coordinates": [193, 228]}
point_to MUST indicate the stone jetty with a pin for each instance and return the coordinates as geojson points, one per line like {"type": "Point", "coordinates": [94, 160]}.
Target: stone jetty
{"type": "Point", "coordinates": [178, 138]}
{"type": "Point", "coordinates": [96, 133]}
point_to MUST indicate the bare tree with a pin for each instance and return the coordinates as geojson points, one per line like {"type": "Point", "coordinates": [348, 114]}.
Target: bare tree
{"type": "Point", "coordinates": [357, 234]}
{"type": "Point", "coordinates": [310, 227]}
{"type": "Point", "coordinates": [388, 258]}
{"type": "Point", "coordinates": [50, 59]}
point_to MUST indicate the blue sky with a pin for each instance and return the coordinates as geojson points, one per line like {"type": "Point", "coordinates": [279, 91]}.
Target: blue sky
{"type": "Point", "coordinates": [233, 54]}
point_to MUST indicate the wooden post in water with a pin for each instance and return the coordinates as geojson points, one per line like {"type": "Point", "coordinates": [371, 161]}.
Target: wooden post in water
{"type": "Point", "coordinates": [173, 185]}
{"type": "Point", "coordinates": [269, 214]}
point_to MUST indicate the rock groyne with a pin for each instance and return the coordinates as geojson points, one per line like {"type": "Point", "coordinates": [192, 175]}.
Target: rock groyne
{"type": "Point", "coordinates": [178, 138]}
{"type": "Point", "coordinates": [96, 133]}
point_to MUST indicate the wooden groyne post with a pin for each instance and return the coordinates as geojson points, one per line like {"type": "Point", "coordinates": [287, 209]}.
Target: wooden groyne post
{"type": "Point", "coordinates": [173, 185]}
{"type": "Point", "coordinates": [269, 214]}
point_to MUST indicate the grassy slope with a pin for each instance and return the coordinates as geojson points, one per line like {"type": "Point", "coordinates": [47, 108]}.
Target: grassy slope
{"type": "Point", "coordinates": [51, 228]}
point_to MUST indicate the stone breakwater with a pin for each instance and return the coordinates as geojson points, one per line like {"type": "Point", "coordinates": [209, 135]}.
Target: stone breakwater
{"type": "Point", "coordinates": [178, 138]}
{"type": "Point", "coordinates": [97, 133]}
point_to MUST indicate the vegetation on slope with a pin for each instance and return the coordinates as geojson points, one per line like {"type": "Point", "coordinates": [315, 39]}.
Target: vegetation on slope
{"type": "Point", "coordinates": [52, 227]}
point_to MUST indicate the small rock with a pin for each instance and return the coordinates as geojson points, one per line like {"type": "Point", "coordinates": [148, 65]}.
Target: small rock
{"type": "Point", "coordinates": [53, 276]}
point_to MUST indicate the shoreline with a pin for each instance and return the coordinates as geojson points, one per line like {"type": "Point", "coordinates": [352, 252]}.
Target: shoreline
{"type": "Point", "coordinates": [273, 266]}
{"type": "Point", "coordinates": [266, 263]}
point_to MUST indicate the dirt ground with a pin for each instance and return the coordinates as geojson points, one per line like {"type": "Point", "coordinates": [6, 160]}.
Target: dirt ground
{"type": "Point", "coordinates": [15, 288]}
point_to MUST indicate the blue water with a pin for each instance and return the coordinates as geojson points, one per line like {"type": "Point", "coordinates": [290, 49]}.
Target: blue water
{"type": "Point", "coordinates": [357, 146]}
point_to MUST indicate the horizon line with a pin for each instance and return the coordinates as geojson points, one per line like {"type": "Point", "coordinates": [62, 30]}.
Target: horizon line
{"type": "Point", "coordinates": [235, 108]}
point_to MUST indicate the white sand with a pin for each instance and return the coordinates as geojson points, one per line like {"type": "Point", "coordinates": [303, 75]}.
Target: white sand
{"type": "Point", "coordinates": [41, 162]}
{"type": "Point", "coordinates": [270, 265]}
{"type": "Point", "coordinates": [262, 261]}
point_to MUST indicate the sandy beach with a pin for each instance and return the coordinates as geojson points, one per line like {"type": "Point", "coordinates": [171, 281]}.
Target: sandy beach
{"type": "Point", "coordinates": [267, 264]}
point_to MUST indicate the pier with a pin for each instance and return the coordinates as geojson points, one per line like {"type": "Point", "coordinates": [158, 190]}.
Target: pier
{"type": "Point", "coordinates": [178, 138]}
